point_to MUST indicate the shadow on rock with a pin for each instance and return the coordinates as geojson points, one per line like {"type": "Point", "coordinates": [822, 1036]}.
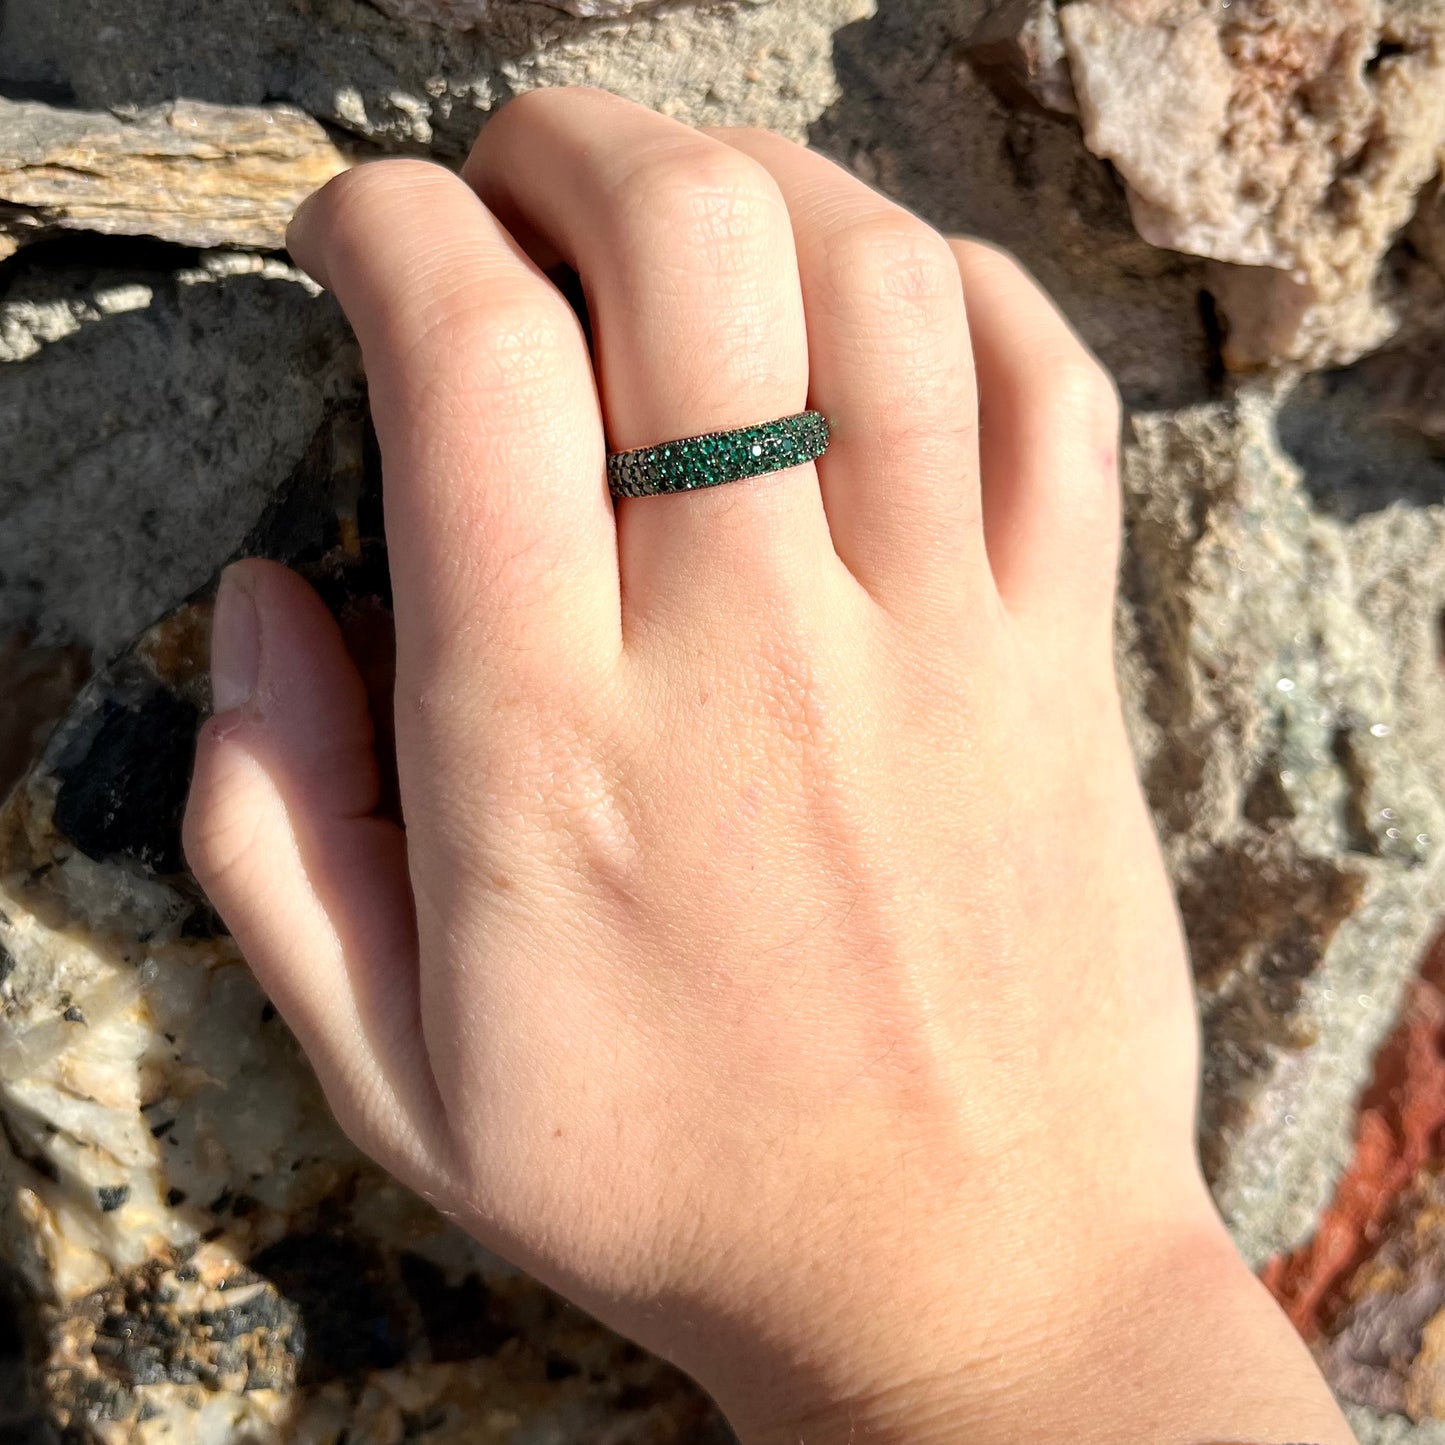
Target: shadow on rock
{"type": "Point", "coordinates": [914, 120]}
{"type": "Point", "coordinates": [1372, 434]}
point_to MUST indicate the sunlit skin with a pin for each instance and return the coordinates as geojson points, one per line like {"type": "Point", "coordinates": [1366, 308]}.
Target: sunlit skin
{"type": "Point", "coordinates": [777, 957]}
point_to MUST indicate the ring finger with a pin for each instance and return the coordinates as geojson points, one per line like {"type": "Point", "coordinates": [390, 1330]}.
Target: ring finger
{"type": "Point", "coordinates": [686, 255]}
{"type": "Point", "coordinates": [889, 351]}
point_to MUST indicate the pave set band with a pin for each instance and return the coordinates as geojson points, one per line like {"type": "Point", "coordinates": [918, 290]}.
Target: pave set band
{"type": "Point", "coordinates": [713, 458]}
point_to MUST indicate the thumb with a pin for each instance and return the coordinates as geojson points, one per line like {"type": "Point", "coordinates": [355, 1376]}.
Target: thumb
{"type": "Point", "coordinates": [281, 831]}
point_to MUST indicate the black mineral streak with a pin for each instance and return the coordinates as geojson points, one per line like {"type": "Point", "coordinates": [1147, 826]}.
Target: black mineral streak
{"type": "Point", "coordinates": [123, 777]}
{"type": "Point", "coordinates": [347, 1318]}
{"type": "Point", "coordinates": [461, 1321]}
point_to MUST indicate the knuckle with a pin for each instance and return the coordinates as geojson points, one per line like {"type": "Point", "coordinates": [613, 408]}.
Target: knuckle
{"type": "Point", "coordinates": [1078, 386]}
{"type": "Point", "coordinates": [353, 202]}
{"type": "Point", "coordinates": [708, 197]}
{"type": "Point", "coordinates": [494, 341]}
{"type": "Point", "coordinates": [893, 258]}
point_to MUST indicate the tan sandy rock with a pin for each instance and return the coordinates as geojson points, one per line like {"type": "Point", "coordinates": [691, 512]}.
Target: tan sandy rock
{"type": "Point", "coordinates": [196, 174]}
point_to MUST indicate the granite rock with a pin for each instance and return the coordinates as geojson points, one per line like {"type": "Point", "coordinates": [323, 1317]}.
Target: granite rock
{"type": "Point", "coordinates": [199, 175]}
{"type": "Point", "coordinates": [1287, 139]}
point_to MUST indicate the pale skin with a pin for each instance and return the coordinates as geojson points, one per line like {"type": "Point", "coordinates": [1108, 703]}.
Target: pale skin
{"type": "Point", "coordinates": [776, 957]}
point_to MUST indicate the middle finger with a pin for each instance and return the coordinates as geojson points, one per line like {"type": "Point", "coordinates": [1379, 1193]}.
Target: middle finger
{"type": "Point", "coordinates": [686, 255]}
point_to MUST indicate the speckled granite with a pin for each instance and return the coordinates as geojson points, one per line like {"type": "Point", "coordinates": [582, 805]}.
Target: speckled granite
{"type": "Point", "coordinates": [202, 1255]}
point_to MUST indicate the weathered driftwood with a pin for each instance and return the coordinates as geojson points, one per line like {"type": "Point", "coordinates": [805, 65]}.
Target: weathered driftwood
{"type": "Point", "coordinates": [196, 174]}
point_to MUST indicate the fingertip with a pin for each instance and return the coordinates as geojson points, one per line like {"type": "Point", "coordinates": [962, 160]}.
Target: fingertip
{"type": "Point", "coordinates": [1049, 440]}
{"type": "Point", "coordinates": [302, 242]}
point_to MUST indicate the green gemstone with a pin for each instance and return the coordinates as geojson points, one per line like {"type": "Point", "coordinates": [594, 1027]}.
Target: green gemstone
{"type": "Point", "coordinates": [712, 458]}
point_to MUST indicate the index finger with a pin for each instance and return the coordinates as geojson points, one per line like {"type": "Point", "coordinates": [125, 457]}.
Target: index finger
{"type": "Point", "coordinates": [498, 519]}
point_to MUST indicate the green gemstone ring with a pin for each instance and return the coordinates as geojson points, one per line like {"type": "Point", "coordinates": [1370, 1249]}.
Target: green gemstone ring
{"type": "Point", "coordinates": [719, 456]}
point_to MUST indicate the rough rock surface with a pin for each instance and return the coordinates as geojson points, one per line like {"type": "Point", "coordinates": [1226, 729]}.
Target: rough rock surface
{"type": "Point", "coordinates": [148, 418]}
{"type": "Point", "coordinates": [1287, 137]}
{"type": "Point", "coordinates": [467, 14]}
{"type": "Point", "coordinates": [1019, 49]}
{"type": "Point", "coordinates": [1295, 771]}
{"type": "Point", "coordinates": [38, 684]}
{"type": "Point", "coordinates": [164, 407]}
{"type": "Point", "coordinates": [1369, 1286]}
{"type": "Point", "coordinates": [425, 86]}
{"type": "Point", "coordinates": [200, 175]}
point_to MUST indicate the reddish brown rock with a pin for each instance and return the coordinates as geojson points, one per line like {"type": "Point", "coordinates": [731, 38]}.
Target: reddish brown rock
{"type": "Point", "coordinates": [1018, 49]}
{"type": "Point", "coordinates": [1369, 1288]}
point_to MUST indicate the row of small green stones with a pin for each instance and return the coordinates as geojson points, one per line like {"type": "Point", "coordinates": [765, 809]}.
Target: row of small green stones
{"type": "Point", "coordinates": [718, 457]}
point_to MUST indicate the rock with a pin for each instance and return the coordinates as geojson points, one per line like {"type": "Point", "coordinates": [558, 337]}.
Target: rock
{"type": "Point", "coordinates": [1387, 1354]}
{"type": "Point", "coordinates": [37, 684]}
{"type": "Point", "coordinates": [467, 14]}
{"type": "Point", "coordinates": [153, 417]}
{"type": "Point", "coordinates": [198, 175]}
{"type": "Point", "coordinates": [932, 133]}
{"type": "Point", "coordinates": [414, 86]}
{"type": "Point", "coordinates": [1288, 140]}
{"type": "Point", "coordinates": [1279, 670]}
{"type": "Point", "coordinates": [1368, 1288]}
{"type": "Point", "coordinates": [1427, 232]}
{"type": "Point", "coordinates": [161, 413]}
{"type": "Point", "coordinates": [1018, 48]}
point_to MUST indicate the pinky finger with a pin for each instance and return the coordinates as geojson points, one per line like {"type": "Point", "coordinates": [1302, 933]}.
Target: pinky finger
{"type": "Point", "coordinates": [1049, 438]}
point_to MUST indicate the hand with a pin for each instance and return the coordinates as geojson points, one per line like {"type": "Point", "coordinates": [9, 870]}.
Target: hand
{"type": "Point", "coordinates": [777, 958]}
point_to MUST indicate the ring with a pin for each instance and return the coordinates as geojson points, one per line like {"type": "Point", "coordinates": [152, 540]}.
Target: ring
{"type": "Point", "coordinates": [716, 457]}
